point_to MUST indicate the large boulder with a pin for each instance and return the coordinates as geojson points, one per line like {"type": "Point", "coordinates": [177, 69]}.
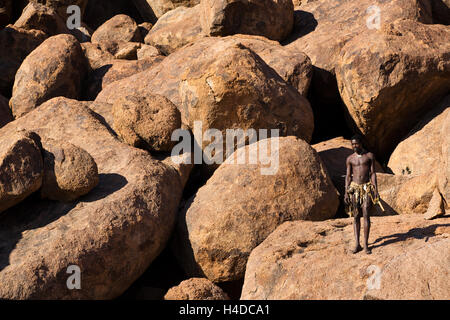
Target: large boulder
{"type": "Point", "coordinates": [334, 153]}
{"type": "Point", "coordinates": [224, 85]}
{"type": "Point", "coordinates": [241, 204]}
{"type": "Point", "coordinates": [421, 150]}
{"type": "Point", "coordinates": [425, 150]}
{"type": "Point", "coordinates": [175, 29]}
{"type": "Point", "coordinates": [56, 68]}
{"type": "Point", "coordinates": [381, 76]}
{"type": "Point", "coordinates": [196, 289]}
{"type": "Point", "coordinates": [119, 28]}
{"type": "Point", "coordinates": [405, 194]}
{"type": "Point", "coordinates": [322, 28]}
{"type": "Point", "coordinates": [120, 226]}
{"type": "Point", "coordinates": [15, 45]}
{"type": "Point", "coordinates": [69, 171]}
{"type": "Point", "coordinates": [5, 111]}
{"type": "Point", "coordinates": [227, 17]}
{"type": "Point", "coordinates": [115, 70]}
{"type": "Point", "coordinates": [21, 166]}
{"type": "Point", "coordinates": [146, 122]}
{"type": "Point", "coordinates": [313, 260]}
{"type": "Point", "coordinates": [39, 17]}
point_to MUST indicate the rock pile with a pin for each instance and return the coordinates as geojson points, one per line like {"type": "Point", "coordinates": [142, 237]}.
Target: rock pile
{"type": "Point", "coordinates": [263, 97]}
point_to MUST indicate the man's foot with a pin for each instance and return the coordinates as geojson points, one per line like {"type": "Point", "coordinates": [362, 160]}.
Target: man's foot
{"type": "Point", "coordinates": [356, 249]}
{"type": "Point", "coordinates": [367, 250]}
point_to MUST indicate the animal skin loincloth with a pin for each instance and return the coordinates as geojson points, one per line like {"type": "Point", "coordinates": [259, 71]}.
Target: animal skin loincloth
{"type": "Point", "coordinates": [358, 193]}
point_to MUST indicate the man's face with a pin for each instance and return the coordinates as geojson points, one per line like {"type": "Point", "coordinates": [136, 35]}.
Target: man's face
{"type": "Point", "coordinates": [356, 146]}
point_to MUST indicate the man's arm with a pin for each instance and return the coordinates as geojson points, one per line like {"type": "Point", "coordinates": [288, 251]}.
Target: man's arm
{"type": "Point", "coordinates": [348, 177]}
{"type": "Point", "coordinates": [373, 176]}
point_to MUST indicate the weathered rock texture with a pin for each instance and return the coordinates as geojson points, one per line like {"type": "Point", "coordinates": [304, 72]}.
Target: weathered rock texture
{"type": "Point", "coordinates": [405, 194]}
{"type": "Point", "coordinates": [379, 75]}
{"type": "Point", "coordinates": [312, 260]}
{"type": "Point", "coordinates": [60, 6]}
{"type": "Point", "coordinates": [175, 29]}
{"type": "Point", "coordinates": [156, 8]}
{"type": "Point", "coordinates": [40, 17]}
{"type": "Point", "coordinates": [196, 289]}
{"type": "Point", "coordinates": [120, 226]}
{"type": "Point", "coordinates": [69, 171]}
{"type": "Point", "coordinates": [426, 149]}
{"type": "Point", "coordinates": [227, 17]}
{"type": "Point", "coordinates": [240, 206]}
{"type": "Point", "coordinates": [21, 166]}
{"type": "Point", "coordinates": [96, 56]}
{"type": "Point", "coordinates": [119, 28]}
{"type": "Point", "coordinates": [223, 84]}
{"type": "Point", "coordinates": [146, 122]}
{"type": "Point", "coordinates": [16, 45]}
{"type": "Point", "coordinates": [56, 68]}
{"type": "Point", "coordinates": [115, 70]}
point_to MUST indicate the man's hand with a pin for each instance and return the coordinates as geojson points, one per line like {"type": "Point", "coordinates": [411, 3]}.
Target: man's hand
{"type": "Point", "coordinates": [346, 199]}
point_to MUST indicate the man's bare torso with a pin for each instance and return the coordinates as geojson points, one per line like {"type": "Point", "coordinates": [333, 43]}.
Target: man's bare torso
{"type": "Point", "coordinates": [360, 167]}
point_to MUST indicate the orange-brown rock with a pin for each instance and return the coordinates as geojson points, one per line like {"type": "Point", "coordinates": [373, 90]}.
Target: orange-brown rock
{"type": "Point", "coordinates": [56, 68]}
{"type": "Point", "coordinates": [334, 153]}
{"type": "Point", "coordinates": [21, 166]}
{"type": "Point", "coordinates": [69, 171]}
{"type": "Point", "coordinates": [157, 8]}
{"type": "Point", "coordinates": [119, 28]}
{"type": "Point", "coordinates": [421, 150]}
{"type": "Point", "coordinates": [312, 260]}
{"type": "Point", "coordinates": [146, 122]}
{"type": "Point", "coordinates": [120, 226]}
{"type": "Point", "coordinates": [96, 56]}
{"type": "Point", "coordinates": [176, 28]}
{"type": "Point", "coordinates": [115, 70]}
{"type": "Point", "coordinates": [5, 111]}
{"type": "Point", "coordinates": [223, 84]}
{"type": "Point", "coordinates": [379, 74]}
{"type": "Point", "coordinates": [325, 26]}
{"type": "Point", "coordinates": [16, 45]}
{"type": "Point", "coordinates": [322, 28]}
{"type": "Point", "coordinates": [405, 194]}
{"type": "Point", "coordinates": [241, 204]}
{"type": "Point", "coordinates": [227, 17]}
{"type": "Point", "coordinates": [146, 51]}
{"type": "Point", "coordinates": [436, 207]}
{"type": "Point", "coordinates": [425, 150]}
{"type": "Point", "coordinates": [40, 17]}
{"type": "Point", "coordinates": [292, 65]}
{"type": "Point", "coordinates": [60, 6]}
{"type": "Point", "coordinates": [196, 289]}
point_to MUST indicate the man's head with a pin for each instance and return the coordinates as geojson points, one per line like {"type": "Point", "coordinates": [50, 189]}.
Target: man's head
{"type": "Point", "coordinates": [357, 144]}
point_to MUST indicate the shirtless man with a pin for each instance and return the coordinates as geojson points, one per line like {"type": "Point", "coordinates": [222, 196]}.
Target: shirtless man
{"type": "Point", "coordinates": [360, 180]}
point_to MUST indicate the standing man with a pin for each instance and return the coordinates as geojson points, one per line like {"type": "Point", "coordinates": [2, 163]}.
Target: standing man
{"type": "Point", "coordinates": [360, 189]}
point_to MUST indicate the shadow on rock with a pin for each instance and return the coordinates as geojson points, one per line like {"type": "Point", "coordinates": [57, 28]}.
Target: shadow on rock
{"type": "Point", "coordinates": [35, 213]}
{"type": "Point", "coordinates": [415, 233]}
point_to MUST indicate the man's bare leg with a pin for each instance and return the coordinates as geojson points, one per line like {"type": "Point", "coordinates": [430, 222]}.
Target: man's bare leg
{"type": "Point", "coordinates": [365, 210]}
{"type": "Point", "coordinates": [356, 229]}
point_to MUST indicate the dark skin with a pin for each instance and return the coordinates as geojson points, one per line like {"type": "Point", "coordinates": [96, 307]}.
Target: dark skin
{"type": "Point", "coordinates": [361, 169]}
